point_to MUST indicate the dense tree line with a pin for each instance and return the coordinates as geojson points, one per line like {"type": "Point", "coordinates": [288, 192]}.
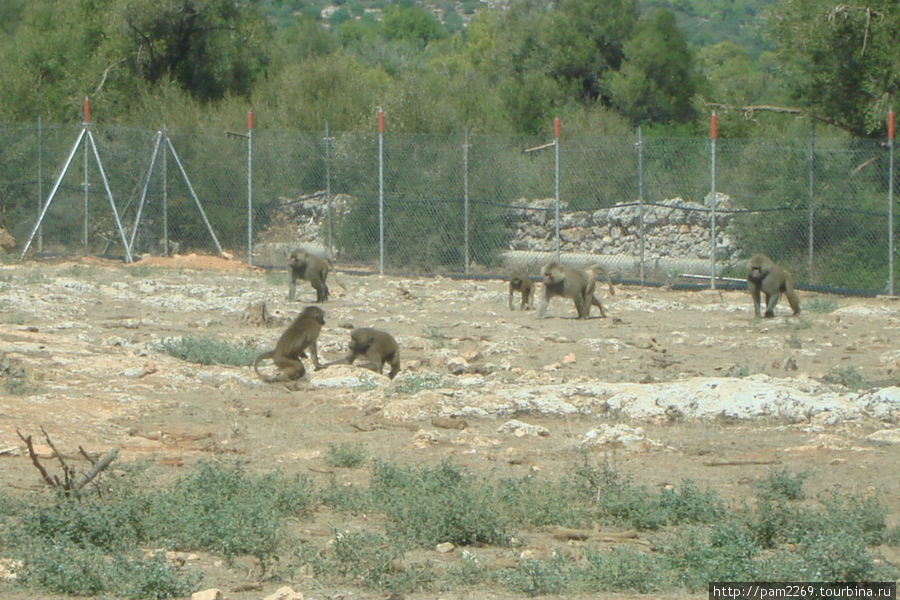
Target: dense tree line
{"type": "Point", "coordinates": [604, 66]}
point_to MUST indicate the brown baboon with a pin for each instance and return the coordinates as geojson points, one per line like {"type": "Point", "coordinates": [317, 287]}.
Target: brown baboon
{"type": "Point", "coordinates": [312, 268]}
{"type": "Point", "coordinates": [598, 269]}
{"type": "Point", "coordinates": [519, 282]}
{"type": "Point", "coordinates": [377, 346]}
{"type": "Point", "coordinates": [572, 283]}
{"type": "Point", "coordinates": [301, 334]}
{"type": "Point", "coordinates": [764, 275]}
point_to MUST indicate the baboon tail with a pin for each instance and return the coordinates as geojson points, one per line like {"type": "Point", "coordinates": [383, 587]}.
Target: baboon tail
{"type": "Point", "coordinates": [262, 356]}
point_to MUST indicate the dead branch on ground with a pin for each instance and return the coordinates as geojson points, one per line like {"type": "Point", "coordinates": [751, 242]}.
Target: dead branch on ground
{"type": "Point", "coordinates": [69, 482]}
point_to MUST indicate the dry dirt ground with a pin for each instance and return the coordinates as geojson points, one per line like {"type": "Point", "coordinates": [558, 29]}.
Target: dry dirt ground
{"type": "Point", "coordinates": [87, 334]}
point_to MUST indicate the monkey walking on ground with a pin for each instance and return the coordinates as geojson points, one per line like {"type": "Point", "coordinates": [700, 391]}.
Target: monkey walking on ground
{"type": "Point", "coordinates": [519, 282]}
{"type": "Point", "coordinates": [569, 282]}
{"type": "Point", "coordinates": [301, 334]}
{"type": "Point", "coordinates": [765, 276]}
{"type": "Point", "coordinates": [378, 347]}
{"type": "Point", "coordinates": [314, 269]}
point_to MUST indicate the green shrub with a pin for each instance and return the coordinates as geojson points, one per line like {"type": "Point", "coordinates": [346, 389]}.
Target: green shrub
{"type": "Point", "coordinates": [538, 577]}
{"type": "Point", "coordinates": [622, 570]}
{"type": "Point", "coordinates": [781, 484]}
{"type": "Point", "coordinates": [346, 456]}
{"type": "Point", "coordinates": [441, 504]}
{"type": "Point", "coordinates": [207, 351]}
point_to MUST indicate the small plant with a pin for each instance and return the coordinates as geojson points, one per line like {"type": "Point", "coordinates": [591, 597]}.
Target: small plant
{"type": "Point", "coordinates": [800, 323]}
{"type": "Point", "coordinates": [346, 456]}
{"type": "Point", "coordinates": [794, 342]}
{"type": "Point", "coordinates": [416, 383]}
{"type": "Point", "coordinates": [140, 271]}
{"type": "Point", "coordinates": [436, 337]}
{"type": "Point", "coordinates": [821, 304]}
{"type": "Point", "coordinates": [849, 377]}
{"type": "Point", "coordinates": [781, 484]}
{"type": "Point", "coordinates": [208, 351]}
{"type": "Point", "coordinates": [538, 577]}
{"type": "Point", "coordinates": [35, 277]}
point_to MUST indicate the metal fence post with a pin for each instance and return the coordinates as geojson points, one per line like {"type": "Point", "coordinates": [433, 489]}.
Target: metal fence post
{"type": "Point", "coordinates": [165, 191]}
{"type": "Point", "coordinates": [329, 207]}
{"type": "Point", "coordinates": [87, 124]}
{"type": "Point", "coordinates": [40, 181]}
{"type": "Point", "coordinates": [556, 178]}
{"type": "Point", "coordinates": [466, 201]}
{"type": "Point", "coordinates": [380, 191]}
{"type": "Point", "coordinates": [249, 187]}
{"type": "Point", "coordinates": [890, 126]}
{"type": "Point", "coordinates": [712, 192]}
{"type": "Point", "coordinates": [640, 166]}
{"type": "Point", "coordinates": [811, 158]}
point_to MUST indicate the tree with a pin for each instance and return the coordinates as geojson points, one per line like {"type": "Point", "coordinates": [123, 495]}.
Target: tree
{"type": "Point", "coordinates": [210, 47]}
{"type": "Point", "coordinates": [657, 81]}
{"type": "Point", "coordinates": [840, 60]}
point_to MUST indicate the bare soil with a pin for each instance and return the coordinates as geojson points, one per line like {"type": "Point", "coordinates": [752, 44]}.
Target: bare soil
{"type": "Point", "coordinates": [87, 334]}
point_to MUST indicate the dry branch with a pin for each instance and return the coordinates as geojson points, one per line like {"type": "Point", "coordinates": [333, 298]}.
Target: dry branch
{"type": "Point", "coordinates": [68, 484]}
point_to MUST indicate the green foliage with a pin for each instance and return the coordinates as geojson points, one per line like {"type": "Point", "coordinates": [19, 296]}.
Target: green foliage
{"type": "Point", "coordinates": [208, 351]}
{"type": "Point", "coordinates": [537, 577]}
{"type": "Point", "coordinates": [841, 60]}
{"type": "Point", "coordinates": [431, 505]}
{"type": "Point", "coordinates": [92, 545]}
{"type": "Point", "coordinates": [657, 80]}
{"type": "Point", "coordinates": [781, 484]}
{"type": "Point", "coordinates": [346, 456]}
{"type": "Point", "coordinates": [849, 377]}
{"type": "Point", "coordinates": [821, 304]}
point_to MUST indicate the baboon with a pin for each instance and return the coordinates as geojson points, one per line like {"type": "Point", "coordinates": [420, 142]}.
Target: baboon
{"type": "Point", "coordinates": [312, 268]}
{"type": "Point", "coordinates": [764, 275]}
{"type": "Point", "coordinates": [572, 283]}
{"type": "Point", "coordinates": [519, 282]}
{"type": "Point", "coordinates": [377, 346]}
{"type": "Point", "coordinates": [301, 334]}
{"type": "Point", "coordinates": [598, 269]}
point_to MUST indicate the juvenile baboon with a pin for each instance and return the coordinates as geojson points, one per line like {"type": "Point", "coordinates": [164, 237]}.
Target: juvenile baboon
{"type": "Point", "coordinates": [301, 334]}
{"type": "Point", "coordinates": [572, 283]}
{"type": "Point", "coordinates": [377, 346]}
{"type": "Point", "coordinates": [764, 275]}
{"type": "Point", "coordinates": [519, 282]}
{"type": "Point", "coordinates": [312, 268]}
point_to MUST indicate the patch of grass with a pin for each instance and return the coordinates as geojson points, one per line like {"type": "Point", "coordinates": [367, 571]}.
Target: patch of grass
{"type": "Point", "coordinates": [430, 505]}
{"type": "Point", "coordinates": [139, 271]}
{"type": "Point", "coordinates": [209, 351]}
{"type": "Point", "coordinates": [538, 577]}
{"type": "Point", "coordinates": [365, 558]}
{"type": "Point", "coordinates": [346, 456]}
{"type": "Point", "coordinates": [414, 383]}
{"type": "Point", "coordinates": [799, 323]}
{"type": "Point", "coordinates": [35, 277]}
{"type": "Point", "coordinates": [794, 342]}
{"type": "Point", "coordinates": [821, 304]}
{"type": "Point", "coordinates": [849, 377]}
{"type": "Point", "coordinates": [622, 570]}
{"type": "Point", "coordinates": [617, 500]}
{"type": "Point", "coordinates": [81, 271]}
{"type": "Point", "coordinates": [437, 337]}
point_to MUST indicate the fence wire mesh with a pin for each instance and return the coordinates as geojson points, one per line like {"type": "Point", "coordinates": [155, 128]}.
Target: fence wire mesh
{"type": "Point", "coordinates": [457, 204]}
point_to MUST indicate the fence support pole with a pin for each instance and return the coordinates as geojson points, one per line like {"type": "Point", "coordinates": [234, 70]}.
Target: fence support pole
{"type": "Point", "coordinates": [810, 161]}
{"type": "Point", "coordinates": [890, 125]}
{"type": "Point", "coordinates": [165, 193]}
{"type": "Point", "coordinates": [329, 207]}
{"type": "Point", "coordinates": [40, 181]}
{"type": "Point", "coordinates": [640, 165]}
{"type": "Point", "coordinates": [712, 193]}
{"type": "Point", "coordinates": [249, 187]}
{"type": "Point", "coordinates": [87, 124]}
{"type": "Point", "coordinates": [380, 192]}
{"type": "Point", "coordinates": [466, 201]}
{"type": "Point", "coordinates": [556, 179]}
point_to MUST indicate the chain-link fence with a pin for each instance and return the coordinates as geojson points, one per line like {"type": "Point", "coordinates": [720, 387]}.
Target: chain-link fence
{"type": "Point", "coordinates": [458, 204]}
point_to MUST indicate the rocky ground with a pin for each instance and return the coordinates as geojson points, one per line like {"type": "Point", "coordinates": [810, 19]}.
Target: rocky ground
{"type": "Point", "coordinates": [671, 385]}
